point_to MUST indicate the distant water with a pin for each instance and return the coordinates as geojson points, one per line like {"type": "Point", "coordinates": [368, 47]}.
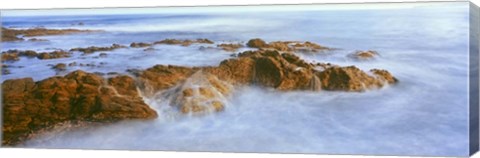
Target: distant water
{"type": "Point", "coordinates": [426, 48]}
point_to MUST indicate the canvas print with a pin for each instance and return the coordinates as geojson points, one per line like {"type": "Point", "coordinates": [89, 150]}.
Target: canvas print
{"type": "Point", "coordinates": [371, 79]}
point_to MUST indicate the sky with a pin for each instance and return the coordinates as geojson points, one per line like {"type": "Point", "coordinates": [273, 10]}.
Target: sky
{"type": "Point", "coordinates": [222, 9]}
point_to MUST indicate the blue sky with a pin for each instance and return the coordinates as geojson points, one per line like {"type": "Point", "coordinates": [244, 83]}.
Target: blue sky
{"type": "Point", "coordinates": [224, 9]}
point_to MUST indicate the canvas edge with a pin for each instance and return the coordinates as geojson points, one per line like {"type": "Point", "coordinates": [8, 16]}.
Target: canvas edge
{"type": "Point", "coordinates": [474, 79]}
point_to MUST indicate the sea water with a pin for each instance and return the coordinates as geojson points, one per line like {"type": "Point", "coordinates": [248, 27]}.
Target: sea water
{"type": "Point", "coordinates": [425, 47]}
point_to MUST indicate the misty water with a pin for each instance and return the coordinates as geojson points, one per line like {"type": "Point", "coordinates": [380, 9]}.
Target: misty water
{"type": "Point", "coordinates": [425, 48]}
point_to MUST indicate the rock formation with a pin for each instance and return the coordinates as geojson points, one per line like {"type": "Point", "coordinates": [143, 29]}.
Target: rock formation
{"type": "Point", "coordinates": [13, 34]}
{"type": "Point", "coordinates": [230, 47]}
{"type": "Point", "coordinates": [93, 49]}
{"type": "Point", "coordinates": [183, 42]}
{"type": "Point", "coordinates": [363, 55]}
{"type": "Point", "coordinates": [286, 46]}
{"type": "Point", "coordinates": [32, 106]}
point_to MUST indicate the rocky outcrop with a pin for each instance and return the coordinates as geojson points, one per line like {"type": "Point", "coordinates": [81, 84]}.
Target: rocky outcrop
{"type": "Point", "coordinates": [13, 34]}
{"type": "Point", "coordinates": [161, 77]}
{"type": "Point", "coordinates": [60, 67]}
{"type": "Point", "coordinates": [13, 55]}
{"type": "Point", "coordinates": [183, 42]}
{"type": "Point", "coordinates": [286, 46]}
{"type": "Point", "coordinates": [201, 93]}
{"type": "Point", "coordinates": [363, 55]}
{"type": "Point", "coordinates": [83, 96]}
{"type": "Point", "coordinates": [140, 44]}
{"type": "Point", "coordinates": [93, 49]}
{"type": "Point", "coordinates": [10, 56]}
{"type": "Point", "coordinates": [351, 78]}
{"type": "Point", "coordinates": [53, 55]}
{"type": "Point", "coordinates": [230, 47]}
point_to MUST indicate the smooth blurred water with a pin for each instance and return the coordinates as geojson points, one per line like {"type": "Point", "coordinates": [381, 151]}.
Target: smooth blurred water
{"type": "Point", "coordinates": [426, 113]}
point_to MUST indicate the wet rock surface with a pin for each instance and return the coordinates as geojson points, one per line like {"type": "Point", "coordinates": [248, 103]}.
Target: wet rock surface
{"type": "Point", "coordinates": [183, 42]}
{"type": "Point", "coordinates": [13, 34]}
{"type": "Point", "coordinates": [93, 49]}
{"type": "Point", "coordinates": [230, 47]}
{"type": "Point", "coordinates": [363, 55]}
{"type": "Point", "coordinates": [105, 97]}
{"type": "Point", "coordinates": [287, 46]}
{"type": "Point", "coordinates": [32, 106]}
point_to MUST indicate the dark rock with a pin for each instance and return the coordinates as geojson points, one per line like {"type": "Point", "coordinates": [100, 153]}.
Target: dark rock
{"type": "Point", "coordinates": [140, 44]}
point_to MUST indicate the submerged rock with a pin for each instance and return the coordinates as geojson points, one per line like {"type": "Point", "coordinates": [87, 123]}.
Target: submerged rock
{"type": "Point", "coordinates": [13, 55]}
{"type": "Point", "coordinates": [93, 49]}
{"type": "Point", "coordinates": [60, 67]}
{"type": "Point", "coordinates": [230, 47]}
{"type": "Point", "coordinates": [82, 96]}
{"type": "Point", "coordinates": [363, 55]}
{"type": "Point", "coordinates": [183, 42]}
{"type": "Point", "coordinates": [12, 34]}
{"type": "Point", "coordinates": [140, 44]}
{"type": "Point", "coordinates": [37, 40]}
{"type": "Point", "coordinates": [53, 55]}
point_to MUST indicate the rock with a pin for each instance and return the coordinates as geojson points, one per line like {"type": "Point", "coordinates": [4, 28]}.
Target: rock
{"type": "Point", "coordinates": [183, 42]}
{"type": "Point", "coordinates": [256, 43]}
{"type": "Point", "coordinates": [37, 40]}
{"type": "Point", "coordinates": [93, 49]}
{"type": "Point", "coordinates": [5, 71]}
{"type": "Point", "coordinates": [13, 55]}
{"type": "Point", "coordinates": [150, 49]}
{"type": "Point", "coordinates": [32, 106]}
{"type": "Point", "coordinates": [161, 77]}
{"type": "Point", "coordinates": [384, 75]}
{"type": "Point", "coordinates": [286, 46]}
{"type": "Point", "coordinates": [140, 44]}
{"type": "Point", "coordinates": [60, 67]}
{"type": "Point", "coordinates": [72, 64]}
{"type": "Point", "coordinates": [103, 55]}
{"type": "Point", "coordinates": [10, 56]}
{"type": "Point", "coordinates": [9, 35]}
{"type": "Point", "coordinates": [351, 78]}
{"type": "Point", "coordinates": [201, 93]}
{"type": "Point", "coordinates": [53, 55]}
{"type": "Point", "coordinates": [230, 47]}
{"type": "Point", "coordinates": [363, 55]}
{"type": "Point", "coordinates": [12, 34]}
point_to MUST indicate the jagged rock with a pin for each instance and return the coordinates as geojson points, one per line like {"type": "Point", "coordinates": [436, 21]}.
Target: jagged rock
{"type": "Point", "coordinates": [140, 44]}
{"type": "Point", "coordinates": [9, 56]}
{"type": "Point", "coordinates": [103, 55]}
{"type": "Point", "coordinates": [351, 78]}
{"type": "Point", "coordinates": [183, 42]}
{"type": "Point", "coordinates": [230, 47]}
{"type": "Point", "coordinates": [60, 67]}
{"type": "Point", "coordinates": [162, 77]}
{"type": "Point", "coordinates": [53, 55]}
{"type": "Point", "coordinates": [12, 34]}
{"type": "Point", "coordinates": [384, 75]}
{"type": "Point", "coordinates": [82, 96]}
{"type": "Point", "coordinates": [93, 49]}
{"type": "Point", "coordinates": [201, 93]}
{"type": "Point", "coordinates": [256, 43]}
{"type": "Point", "coordinates": [363, 55]}
{"type": "Point", "coordinates": [287, 46]}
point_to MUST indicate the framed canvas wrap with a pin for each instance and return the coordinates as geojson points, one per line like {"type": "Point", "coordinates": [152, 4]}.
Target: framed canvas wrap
{"type": "Point", "coordinates": [361, 79]}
